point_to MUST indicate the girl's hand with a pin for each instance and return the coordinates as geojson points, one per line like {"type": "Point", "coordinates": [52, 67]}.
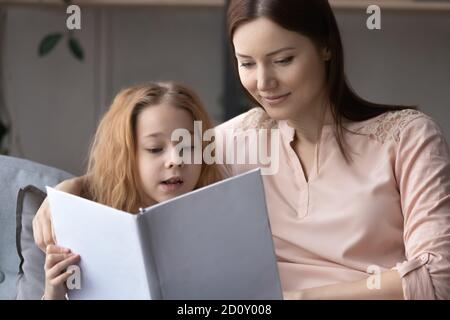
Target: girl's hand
{"type": "Point", "coordinates": [58, 259]}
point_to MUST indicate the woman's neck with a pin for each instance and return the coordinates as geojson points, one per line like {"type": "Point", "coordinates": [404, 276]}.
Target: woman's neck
{"type": "Point", "coordinates": [308, 126]}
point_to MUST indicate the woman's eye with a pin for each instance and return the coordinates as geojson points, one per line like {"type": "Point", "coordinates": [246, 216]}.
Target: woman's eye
{"type": "Point", "coordinates": [247, 64]}
{"type": "Point", "coordinates": [154, 150]}
{"type": "Point", "coordinates": [285, 60]}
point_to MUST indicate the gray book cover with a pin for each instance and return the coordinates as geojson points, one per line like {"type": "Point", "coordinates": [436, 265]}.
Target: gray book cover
{"type": "Point", "coordinates": [213, 243]}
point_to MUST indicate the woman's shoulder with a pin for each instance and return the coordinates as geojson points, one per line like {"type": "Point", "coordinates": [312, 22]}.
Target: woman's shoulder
{"type": "Point", "coordinates": [255, 118]}
{"type": "Point", "coordinates": [390, 126]}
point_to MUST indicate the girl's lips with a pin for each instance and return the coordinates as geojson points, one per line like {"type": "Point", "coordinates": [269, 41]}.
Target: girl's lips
{"type": "Point", "coordinates": [170, 187]}
{"type": "Point", "coordinates": [275, 99]}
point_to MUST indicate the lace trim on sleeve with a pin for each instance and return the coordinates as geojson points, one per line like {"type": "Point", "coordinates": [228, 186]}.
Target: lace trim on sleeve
{"type": "Point", "coordinates": [388, 126]}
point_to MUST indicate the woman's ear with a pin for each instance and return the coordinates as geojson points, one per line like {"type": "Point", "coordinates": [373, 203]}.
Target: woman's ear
{"type": "Point", "coordinates": [326, 54]}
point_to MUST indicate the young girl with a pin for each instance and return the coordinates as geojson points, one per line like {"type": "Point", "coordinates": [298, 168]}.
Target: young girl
{"type": "Point", "coordinates": [134, 163]}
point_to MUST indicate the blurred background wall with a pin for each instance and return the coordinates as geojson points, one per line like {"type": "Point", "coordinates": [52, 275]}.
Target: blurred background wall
{"type": "Point", "coordinates": [56, 101]}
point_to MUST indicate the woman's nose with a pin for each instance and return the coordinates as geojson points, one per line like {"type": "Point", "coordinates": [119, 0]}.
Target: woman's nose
{"type": "Point", "coordinates": [266, 81]}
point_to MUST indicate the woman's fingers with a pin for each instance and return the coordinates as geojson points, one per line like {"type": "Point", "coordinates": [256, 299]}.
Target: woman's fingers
{"type": "Point", "coordinates": [47, 231]}
{"type": "Point", "coordinates": [46, 223]}
{"type": "Point", "coordinates": [42, 226]}
{"type": "Point", "coordinates": [37, 235]}
{"type": "Point", "coordinates": [52, 248]}
{"type": "Point", "coordinates": [42, 221]}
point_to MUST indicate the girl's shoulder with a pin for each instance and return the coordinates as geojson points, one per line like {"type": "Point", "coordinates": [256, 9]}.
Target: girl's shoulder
{"type": "Point", "coordinates": [389, 126]}
{"type": "Point", "coordinates": [255, 118]}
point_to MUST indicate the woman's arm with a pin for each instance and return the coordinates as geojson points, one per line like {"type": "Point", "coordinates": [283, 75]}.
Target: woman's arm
{"type": "Point", "coordinates": [390, 288]}
{"type": "Point", "coordinates": [422, 169]}
{"type": "Point", "coordinates": [42, 223]}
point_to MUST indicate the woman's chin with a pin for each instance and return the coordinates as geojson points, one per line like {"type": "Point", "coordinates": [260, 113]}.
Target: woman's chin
{"type": "Point", "coordinates": [282, 113]}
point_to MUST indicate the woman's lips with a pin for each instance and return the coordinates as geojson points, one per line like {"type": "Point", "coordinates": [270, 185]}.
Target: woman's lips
{"type": "Point", "coordinates": [272, 100]}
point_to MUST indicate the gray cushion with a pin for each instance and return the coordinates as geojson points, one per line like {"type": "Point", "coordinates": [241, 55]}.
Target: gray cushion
{"type": "Point", "coordinates": [15, 174]}
{"type": "Point", "coordinates": [31, 280]}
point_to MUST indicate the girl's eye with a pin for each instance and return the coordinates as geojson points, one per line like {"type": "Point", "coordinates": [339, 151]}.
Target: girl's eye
{"type": "Point", "coordinates": [285, 61]}
{"type": "Point", "coordinates": [187, 148]}
{"type": "Point", "coordinates": [154, 150]}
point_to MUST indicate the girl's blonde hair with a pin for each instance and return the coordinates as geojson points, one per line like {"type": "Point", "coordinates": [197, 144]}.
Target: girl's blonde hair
{"type": "Point", "coordinates": [112, 175]}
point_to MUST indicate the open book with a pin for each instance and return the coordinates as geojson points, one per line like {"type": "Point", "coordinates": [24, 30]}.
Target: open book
{"type": "Point", "coordinates": [211, 243]}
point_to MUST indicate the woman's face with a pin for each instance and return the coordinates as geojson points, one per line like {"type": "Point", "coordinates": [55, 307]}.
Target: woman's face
{"type": "Point", "coordinates": [283, 70]}
{"type": "Point", "coordinates": [161, 177]}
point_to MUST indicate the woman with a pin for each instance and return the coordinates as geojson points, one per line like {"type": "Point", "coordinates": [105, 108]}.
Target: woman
{"type": "Point", "coordinates": [360, 205]}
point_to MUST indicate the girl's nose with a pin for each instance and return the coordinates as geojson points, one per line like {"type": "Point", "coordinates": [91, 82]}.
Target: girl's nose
{"type": "Point", "coordinates": [174, 159]}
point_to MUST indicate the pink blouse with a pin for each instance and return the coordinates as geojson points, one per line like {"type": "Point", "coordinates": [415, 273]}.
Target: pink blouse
{"type": "Point", "coordinates": [388, 209]}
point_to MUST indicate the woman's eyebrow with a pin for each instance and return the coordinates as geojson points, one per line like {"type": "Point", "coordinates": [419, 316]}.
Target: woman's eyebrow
{"type": "Point", "coordinates": [267, 55]}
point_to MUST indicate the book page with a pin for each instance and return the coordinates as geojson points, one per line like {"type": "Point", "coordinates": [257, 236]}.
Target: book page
{"type": "Point", "coordinates": [112, 266]}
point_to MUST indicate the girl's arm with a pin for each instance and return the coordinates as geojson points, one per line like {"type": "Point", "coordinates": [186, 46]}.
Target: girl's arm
{"type": "Point", "coordinates": [389, 288]}
{"type": "Point", "coordinates": [42, 224]}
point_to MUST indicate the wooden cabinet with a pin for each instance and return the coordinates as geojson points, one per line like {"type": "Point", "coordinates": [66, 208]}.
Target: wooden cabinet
{"type": "Point", "coordinates": [421, 5]}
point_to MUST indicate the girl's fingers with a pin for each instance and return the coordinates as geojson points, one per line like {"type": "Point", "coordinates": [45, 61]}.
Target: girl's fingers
{"type": "Point", "coordinates": [54, 258]}
{"type": "Point", "coordinates": [62, 278]}
{"type": "Point", "coordinates": [58, 268]}
{"type": "Point", "coordinates": [55, 254]}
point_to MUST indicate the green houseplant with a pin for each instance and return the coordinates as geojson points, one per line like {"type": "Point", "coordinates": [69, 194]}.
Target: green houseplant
{"type": "Point", "coordinates": [52, 39]}
{"type": "Point", "coordinates": [46, 45]}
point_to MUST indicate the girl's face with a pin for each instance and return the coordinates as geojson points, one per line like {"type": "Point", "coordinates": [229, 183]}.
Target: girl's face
{"type": "Point", "coordinates": [161, 177]}
{"type": "Point", "coordinates": [283, 70]}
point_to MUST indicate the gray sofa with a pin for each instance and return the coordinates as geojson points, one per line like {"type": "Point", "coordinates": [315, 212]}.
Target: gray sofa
{"type": "Point", "coordinates": [17, 176]}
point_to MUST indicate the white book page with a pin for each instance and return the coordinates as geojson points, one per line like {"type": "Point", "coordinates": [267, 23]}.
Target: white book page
{"type": "Point", "coordinates": [112, 266]}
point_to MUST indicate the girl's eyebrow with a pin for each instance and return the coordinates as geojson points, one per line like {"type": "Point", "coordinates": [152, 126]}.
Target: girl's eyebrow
{"type": "Point", "coordinates": [153, 135]}
{"type": "Point", "coordinates": [157, 134]}
{"type": "Point", "coordinates": [267, 55]}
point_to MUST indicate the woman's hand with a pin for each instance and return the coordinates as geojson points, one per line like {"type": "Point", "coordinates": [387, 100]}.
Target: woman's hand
{"type": "Point", "coordinates": [390, 289]}
{"type": "Point", "coordinates": [42, 227]}
{"type": "Point", "coordinates": [57, 261]}
{"type": "Point", "coordinates": [42, 221]}
{"type": "Point", "coordinates": [294, 295]}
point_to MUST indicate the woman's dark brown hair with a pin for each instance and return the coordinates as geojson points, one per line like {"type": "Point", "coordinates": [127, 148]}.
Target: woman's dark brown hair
{"type": "Point", "coordinates": [314, 19]}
